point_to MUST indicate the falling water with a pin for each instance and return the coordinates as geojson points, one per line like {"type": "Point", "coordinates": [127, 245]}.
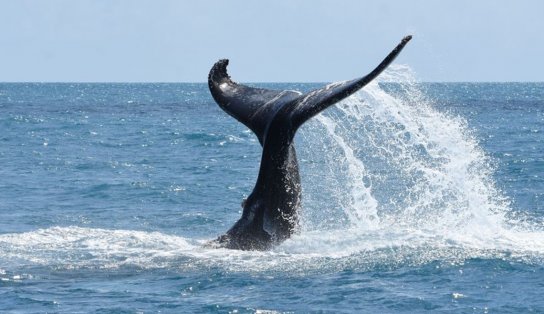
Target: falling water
{"type": "Point", "coordinates": [395, 163]}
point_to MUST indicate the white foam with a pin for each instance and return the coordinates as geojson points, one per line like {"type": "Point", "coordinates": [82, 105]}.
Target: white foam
{"type": "Point", "coordinates": [75, 248]}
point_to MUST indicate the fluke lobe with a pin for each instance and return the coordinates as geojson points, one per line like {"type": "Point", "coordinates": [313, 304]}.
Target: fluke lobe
{"type": "Point", "coordinates": [270, 212]}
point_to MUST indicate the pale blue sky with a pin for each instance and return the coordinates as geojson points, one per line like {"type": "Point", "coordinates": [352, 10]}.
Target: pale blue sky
{"type": "Point", "coordinates": [268, 41]}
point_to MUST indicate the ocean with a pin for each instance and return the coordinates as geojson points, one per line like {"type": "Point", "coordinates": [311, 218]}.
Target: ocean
{"type": "Point", "coordinates": [416, 197]}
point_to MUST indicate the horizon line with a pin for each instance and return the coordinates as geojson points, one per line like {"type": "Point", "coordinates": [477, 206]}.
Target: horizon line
{"type": "Point", "coordinates": [258, 82]}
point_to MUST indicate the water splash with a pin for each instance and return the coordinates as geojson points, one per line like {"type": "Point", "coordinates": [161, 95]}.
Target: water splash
{"type": "Point", "coordinates": [396, 164]}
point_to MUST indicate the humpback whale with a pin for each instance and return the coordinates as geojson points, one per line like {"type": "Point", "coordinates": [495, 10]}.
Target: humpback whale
{"type": "Point", "coordinates": [270, 212]}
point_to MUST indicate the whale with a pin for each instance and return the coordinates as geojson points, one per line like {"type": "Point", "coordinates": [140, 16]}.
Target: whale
{"type": "Point", "coordinates": [270, 212]}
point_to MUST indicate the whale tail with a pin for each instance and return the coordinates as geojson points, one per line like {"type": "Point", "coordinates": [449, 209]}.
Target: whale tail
{"type": "Point", "coordinates": [270, 213]}
{"type": "Point", "coordinates": [256, 107]}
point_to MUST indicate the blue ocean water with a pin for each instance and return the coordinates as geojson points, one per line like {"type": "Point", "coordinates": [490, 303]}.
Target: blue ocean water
{"type": "Point", "coordinates": [417, 197]}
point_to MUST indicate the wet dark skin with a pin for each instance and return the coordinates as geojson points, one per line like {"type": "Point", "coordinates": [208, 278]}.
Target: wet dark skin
{"type": "Point", "coordinates": [270, 211]}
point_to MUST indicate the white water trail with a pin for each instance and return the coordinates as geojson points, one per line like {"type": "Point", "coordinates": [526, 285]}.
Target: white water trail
{"type": "Point", "coordinates": [363, 212]}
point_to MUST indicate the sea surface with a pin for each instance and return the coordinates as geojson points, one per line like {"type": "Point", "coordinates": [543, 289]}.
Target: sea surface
{"type": "Point", "coordinates": [416, 197]}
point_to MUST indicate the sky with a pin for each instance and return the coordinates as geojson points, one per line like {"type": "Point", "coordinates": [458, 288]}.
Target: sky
{"type": "Point", "coordinates": [268, 41]}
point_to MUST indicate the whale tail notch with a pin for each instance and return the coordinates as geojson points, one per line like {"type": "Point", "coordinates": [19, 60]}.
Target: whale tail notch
{"type": "Point", "coordinates": [255, 107]}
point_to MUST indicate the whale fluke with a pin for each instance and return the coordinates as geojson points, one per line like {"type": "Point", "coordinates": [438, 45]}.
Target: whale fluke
{"type": "Point", "coordinates": [270, 211]}
{"type": "Point", "coordinates": [318, 100]}
{"type": "Point", "coordinates": [249, 105]}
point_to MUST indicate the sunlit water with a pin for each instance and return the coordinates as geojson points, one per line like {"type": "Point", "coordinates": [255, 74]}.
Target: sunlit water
{"type": "Point", "coordinates": [416, 197]}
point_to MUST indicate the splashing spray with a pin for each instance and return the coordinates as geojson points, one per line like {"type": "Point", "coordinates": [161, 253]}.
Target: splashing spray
{"type": "Point", "coordinates": [394, 162]}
